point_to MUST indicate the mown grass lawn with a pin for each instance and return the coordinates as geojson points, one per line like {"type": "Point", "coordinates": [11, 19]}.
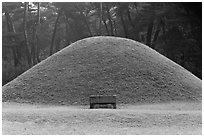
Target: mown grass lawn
{"type": "Point", "coordinates": [164, 118]}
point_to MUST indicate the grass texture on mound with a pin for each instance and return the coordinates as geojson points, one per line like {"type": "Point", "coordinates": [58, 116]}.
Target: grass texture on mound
{"type": "Point", "coordinates": [104, 65]}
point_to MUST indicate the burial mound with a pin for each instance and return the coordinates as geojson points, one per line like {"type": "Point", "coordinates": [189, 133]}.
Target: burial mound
{"type": "Point", "coordinates": [104, 65]}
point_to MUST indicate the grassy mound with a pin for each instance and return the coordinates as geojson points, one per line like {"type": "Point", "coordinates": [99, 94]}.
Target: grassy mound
{"type": "Point", "coordinates": [104, 65]}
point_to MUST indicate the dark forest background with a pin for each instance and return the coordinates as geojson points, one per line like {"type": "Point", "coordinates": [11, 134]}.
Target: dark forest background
{"type": "Point", "coordinates": [33, 31]}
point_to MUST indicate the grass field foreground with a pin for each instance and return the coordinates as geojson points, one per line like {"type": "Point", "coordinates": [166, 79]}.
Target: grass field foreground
{"type": "Point", "coordinates": [175, 118]}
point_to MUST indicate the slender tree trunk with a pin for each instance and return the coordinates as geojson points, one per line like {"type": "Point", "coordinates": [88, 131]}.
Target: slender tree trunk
{"type": "Point", "coordinates": [149, 33]}
{"type": "Point", "coordinates": [115, 28]}
{"type": "Point", "coordinates": [26, 35]}
{"type": "Point", "coordinates": [97, 31]}
{"type": "Point", "coordinates": [16, 62]}
{"type": "Point", "coordinates": [136, 36]}
{"type": "Point", "coordinates": [106, 27]}
{"type": "Point", "coordinates": [38, 49]}
{"type": "Point", "coordinates": [11, 28]}
{"type": "Point", "coordinates": [163, 29]}
{"type": "Point", "coordinates": [157, 32]}
{"type": "Point", "coordinates": [85, 20]}
{"type": "Point", "coordinates": [70, 25]}
{"type": "Point", "coordinates": [33, 48]}
{"type": "Point", "coordinates": [57, 43]}
{"type": "Point", "coordinates": [14, 51]}
{"type": "Point", "coordinates": [8, 21]}
{"type": "Point", "coordinates": [130, 19]}
{"type": "Point", "coordinates": [33, 45]}
{"type": "Point", "coordinates": [66, 26]}
{"type": "Point", "coordinates": [10, 24]}
{"type": "Point", "coordinates": [158, 29]}
{"type": "Point", "coordinates": [110, 20]}
{"type": "Point", "coordinates": [123, 22]}
{"type": "Point", "coordinates": [38, 14]}
{"type": "Point", "coordinates": [163, 26]}
{"type": "Point", "coordinates": [142, 37]}
{"type": "Point", "coordinates": [101, 17]}
{"type": "Point", "coordinates": [37, 40]}
{"type": "Point", "coordinates": [124, 26]}
{"type": "Point", "coordinates": [54, 32]}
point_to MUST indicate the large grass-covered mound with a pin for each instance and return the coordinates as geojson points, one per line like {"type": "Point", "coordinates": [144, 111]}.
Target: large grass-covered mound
{"type": "Point", "coordinates": [104, 65]}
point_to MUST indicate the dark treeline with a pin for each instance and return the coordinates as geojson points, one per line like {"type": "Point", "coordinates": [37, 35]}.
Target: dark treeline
{"type": "Point", "coordinates": [33, 31]}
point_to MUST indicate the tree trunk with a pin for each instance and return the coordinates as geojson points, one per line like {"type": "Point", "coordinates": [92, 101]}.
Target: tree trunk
{"type": "Point", "coordinates": [10, 24]}
{"type": "Point", "coordinates": [124, 26]}
{"type": "Point", "coordinates": [85, 20]}
{"type": "Point", "coordinates": [130, 19]}
{"type": "Point", "coordinates": [37, 40]}
{"type": "Point", "coordinates": [33, 48]}
{"type": "Point", "coordinates": [110, 20]}
{"type": "Point", "coordinates": [115, 28]}
{"type": "Point", "coordinates": [157, 32]}
{"type": "Point", "coordinates": [38, 49]}
{"type": "Point", "coordinates": [66, 25]}
{"type": "Point", "coordinates": [70, 26]}
{"type": "Point", "coordinates": [163, 30]}
{"type": "Point", "coordinates": [8, 21]}
{"type": "Point", "coordinates": [25, 34]}
{"type": "Point", "coordinates": [163, 26]}
{"type": "Point", "coordinates": [158, 29]}
{"type": "Point", "coordinates": [57, 43]}
{"type": "Point", "coordinates": [149, 33]}
{"type": "Point", "coordinates": [54, 32]}
{"type": "Point", "coordinates": [101, 18]}
{"type": "Point", "coordinates": [11, 28]}
{"type": "Point", "coordinates": [33, 45]}
{"type": "Point", "coordinates": [123, 22]}
{"type": "Point", "coordinates": [106, 27]}
{"type": "Point", "coordinates": [97, 31]}
{"type": "Point", "coordinates": [136, 36]}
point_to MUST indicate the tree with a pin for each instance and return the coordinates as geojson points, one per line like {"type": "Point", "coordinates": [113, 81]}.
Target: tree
{"type": "Point", "coordinates": [54, 31]}
{"type": "Point", "coordinates": [120, 10]}
{"type": "Point", "coordinates": [25, 34]}
{"type": "Point", "coordinates": [78, 7]}
{"type": "Point", "coordinates": [37, 39]}
{"type": "Point", "coordinates": [149, 33]}
{"type": "Point", "coordinates": [109, 18]}
{"type": "Point", "coordinates": [11, 28]}
{"type": "Point", "coordinates": [101, 17]}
